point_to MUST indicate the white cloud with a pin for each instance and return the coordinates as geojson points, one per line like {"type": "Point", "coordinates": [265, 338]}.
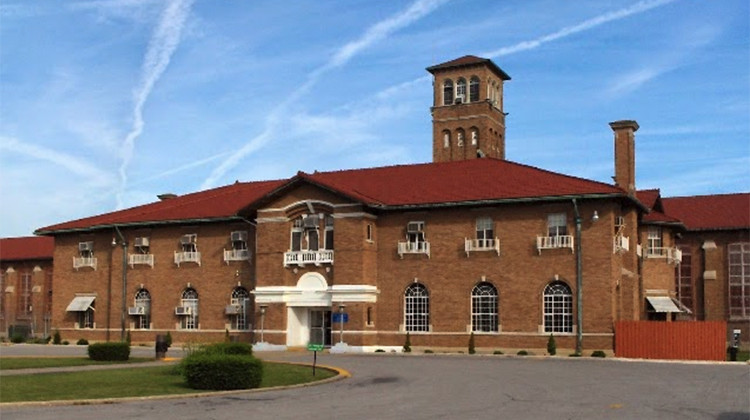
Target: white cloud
{"type": "Point", "coordinates": [373, 34]}
{"type": "Point", "coordinates": [161, 46]}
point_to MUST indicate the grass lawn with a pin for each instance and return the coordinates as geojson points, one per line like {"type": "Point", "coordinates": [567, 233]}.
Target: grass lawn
{"type": "Point", "coordinates": [8, 363]}
{"type": "Point", "coordinates": [742, 356]}
{"type": "Point", "coordinates": [131, 382]}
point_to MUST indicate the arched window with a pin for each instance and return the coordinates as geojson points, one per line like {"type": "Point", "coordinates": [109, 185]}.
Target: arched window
{"type": "Point", "coordinates": [448, 92]}
{"type": "Point", "coordinates": [484, 308]}
{"type": "Point", "coordinates": [143, 300]}
{"type": "Point", "coordinates": [461, 90]}
{"type": "Point", "coordinates": [460, 137]}
{"type": "Point", "coordinates": [446, 139]}
{"type": "Point", "coordinates": [189, 320]}
{"type": "Point", "coordinates": [474, 136]}
{"type": "Point", "coordinates": [474, 89]}
{"type": "Point", "coordinates": [240, 302]}
{"type": "Point", "coordinates": [416, 308]}
{"type": "Point", "coordinates": [558, 308]}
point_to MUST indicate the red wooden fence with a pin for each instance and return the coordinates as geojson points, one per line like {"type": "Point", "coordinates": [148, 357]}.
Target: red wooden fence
{"type": "Point", "coordinates": [680, 340]}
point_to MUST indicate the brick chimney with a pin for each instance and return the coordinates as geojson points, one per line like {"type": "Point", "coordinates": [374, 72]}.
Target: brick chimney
{"type": "Point", "coordinates": [625, 154]}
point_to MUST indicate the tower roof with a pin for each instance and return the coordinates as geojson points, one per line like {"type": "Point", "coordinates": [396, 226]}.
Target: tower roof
{"type": "Point", "coordinates": [469, 61]}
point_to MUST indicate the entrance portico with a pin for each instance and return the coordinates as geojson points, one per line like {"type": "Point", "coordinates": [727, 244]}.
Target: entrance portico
{"type": "Point", "coordinates": [309, 305]}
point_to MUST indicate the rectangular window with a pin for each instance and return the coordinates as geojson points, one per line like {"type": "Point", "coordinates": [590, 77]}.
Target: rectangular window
{"type": "Point", "coordinates": [188, 242]}
{"type": "Point", "coordinates": [24, 295]}
{"type": "Point", "coordinates": [739, 280]}
{"type": "Point", "coordinates": [485, 232]}
{"type": "Point", "coordinates": [655, 242]}
{"type": "Point", "coordinates": [557, 224]}
{"type": "Point", "coordinates": [86, 318]}
{"type": "Point", "coordinates": [415, 236]}
{"type": "Point", "coordinates": [328, 240]}
{"type": "Point", "coordinates": [369, 233]}
{"type": "Point", "coordinates": [312, 239]}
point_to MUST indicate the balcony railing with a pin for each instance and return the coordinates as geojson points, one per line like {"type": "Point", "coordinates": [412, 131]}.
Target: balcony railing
{"type": "Point", "coordinates": [553, 242]}
{"type": "Point", "coordinates": [472, 245]}
{"type": "Point", "coordinates": [143, 259]}
{"type": "Point", "coordinates": [413, 248]}
{"type": "Point", "coordinates": [80, 262]}
{"type": "Point", "coordinates": [672, 255]}
{"type": "Point", "coordinates": [300, 258]}
{"type": "Point", "coordinates": [236, 255]}
{"type": "Point", "coordinates": [182, 257]}
{"type": "Point", "coordinates": [620, 244]}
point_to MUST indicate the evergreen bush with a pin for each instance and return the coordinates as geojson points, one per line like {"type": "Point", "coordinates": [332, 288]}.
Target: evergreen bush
{"type": "Point", "coordinates": [522, 353]}
{"type": "Point", "coordinates": [17, 338]}
{"type": "Point", "coordinates": [472, 349]}
{"type": "Point", "coordinates": [407, 343]}
{"type": "Point", "coordinates": [551, 345]}
{"type": "Point", "coordinates": [217, 371]}
{"type": "Point", "coordinates": [82, 342]}
{"type": "Point", "coordinates": [57, 339]}
{"type": "Point", "coordinates": [242, 349]}
{"type": "Point", "coordinates": [168, 338]}
{"type": "Point", "coordinates": [115, 350]}
{"type": "Point", "coordinates": [598, 353]}
{"type": "Point", "coordinates": [498, 352]}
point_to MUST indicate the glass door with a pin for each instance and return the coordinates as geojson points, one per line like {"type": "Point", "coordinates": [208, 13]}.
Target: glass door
{"type": "Point", "coordinates": [320, 327]}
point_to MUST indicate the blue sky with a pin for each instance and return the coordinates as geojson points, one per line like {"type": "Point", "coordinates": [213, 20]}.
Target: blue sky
{"type": "Point", "coordinates": [105, 104]}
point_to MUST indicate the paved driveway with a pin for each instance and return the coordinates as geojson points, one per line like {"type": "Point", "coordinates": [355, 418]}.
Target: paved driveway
{"type": "Point", "coordinates": [462, 387]}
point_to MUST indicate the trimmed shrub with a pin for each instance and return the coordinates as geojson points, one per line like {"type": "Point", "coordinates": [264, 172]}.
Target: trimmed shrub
{"type": "Point", "coordinates": [82, 342]}
{"type": "Point", "coordinates": [116, 350]}
{"type": "Point", "coordinates": [551, 345]}
{"type": "Point", "coordinates": [598, 353]}
{"type": "Point", "coordinates": [17, 338]}
{"type": "Point", "coordinates": [472, 349]}
{"type": "Point", "coordinates": [407, 343]}
{"type": "Point", "coordinates": [428, 351]}
{"type": "Point", "coordinates": [379, 351]}
{"type": "Point", "coordinates": [65, 343]}
{"type": "Point", "coordinates": [498, 352]}
{"type": "Point", "coordinates": [56, 339]}
{"type": "Point", "coordinates": [168, 338]}
{"type": "Point", "coordinates": [522, 353]}
{"type": "Point", "coordinates": [222, 371]}
{"type": "Point", "coordinates": [242, 349]}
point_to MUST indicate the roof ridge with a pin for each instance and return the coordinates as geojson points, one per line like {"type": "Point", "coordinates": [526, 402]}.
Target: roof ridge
{"type": "Point", "coordinates": [707, 195]}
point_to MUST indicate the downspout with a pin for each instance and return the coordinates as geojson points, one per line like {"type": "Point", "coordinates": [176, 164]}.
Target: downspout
{"type": "Point", "coordinates": [123, 310]}
{"type": "Point", "coordinates": [579, 281]}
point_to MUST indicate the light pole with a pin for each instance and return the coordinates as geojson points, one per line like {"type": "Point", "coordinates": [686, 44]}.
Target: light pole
{"type": "Point", "coordinates": [262, 319]}
{"type": "Point", "coordinates": [341, 323]}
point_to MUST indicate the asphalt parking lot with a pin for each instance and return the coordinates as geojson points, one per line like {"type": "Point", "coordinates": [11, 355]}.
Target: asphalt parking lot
{"type": "Point", "coordinates": [391, 386]}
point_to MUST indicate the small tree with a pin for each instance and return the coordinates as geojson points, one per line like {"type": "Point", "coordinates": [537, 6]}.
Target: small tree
{"type": "Point", "coordinates": [551, 346]}
{"type": "Point", "coordinates": [407, 343]}
{"type": "Point", "coordinates": [472, 350]}
{"type": "Point", "coordinates": [168, 339]}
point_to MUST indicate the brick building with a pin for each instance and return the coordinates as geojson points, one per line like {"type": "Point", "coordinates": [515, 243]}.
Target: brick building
{"type": "Point", "coordinates": [468, 243]}
{"type": "Point", "coordinates": [26, 286]}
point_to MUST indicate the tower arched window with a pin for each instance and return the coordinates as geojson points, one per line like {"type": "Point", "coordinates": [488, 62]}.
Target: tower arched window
{"type": "Point", "coordinates": [143, 300]}
{"type": "Point", "coordinates": [474, 136]}
{"type": "Point", "coordinates": [474, 89]}
{"type": "Point", "coordinates": [461, 90]}
{"type": "Point", "coordinates": [448, 92]}
{"type": "Point", "coordinates": [460, 137]}
{"type": "Point", "coordinates": [189, 303]}
{"type": "Point", "coordinates": [484, 308]}
{"type": "Point", "coordinates": [558, 308]}
{"type": "Point", "coordinates": [417, 308]}
{"type": "Point", "coordinates": [240, 304]}
{"type": "Point", "coordinates": [446, 139]}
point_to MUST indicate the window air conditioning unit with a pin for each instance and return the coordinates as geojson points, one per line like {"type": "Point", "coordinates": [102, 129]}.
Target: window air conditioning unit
{"type": "Point", "coordinates": [137, 310]}
{"type": "Point", "coordinates": [233, 309]}
{"type": "Point", "coordinates": [310, 222]}
{"type": "Point", "coordinates": [188, 239]}
{"type": "Point", "coordinates": [239, 236]}
{"type": "Point", "coordinates": [459, 99]}
{"type": "Point", "coordinates": [415, 227]}
{"type": "Point", "coordinates": [142, 242]}
{"type": "Point", "coordinates": [183, 310]}
{"type": "Point", "coordinates": [85, 246]}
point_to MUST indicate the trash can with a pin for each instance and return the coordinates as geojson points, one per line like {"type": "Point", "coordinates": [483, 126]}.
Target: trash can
{"type": "Point", "coordinates": [161, 346]}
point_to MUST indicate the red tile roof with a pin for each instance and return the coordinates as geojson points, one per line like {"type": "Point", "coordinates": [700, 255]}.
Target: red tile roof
{"type": "Point", "coordinates": [711, 212]}
{"type": "Point", "coordinates": [26, 248]}
{"type": "Point", "coordinates": [473, 180]}
{"type": "Point", "coordinates": [653, 201]}
{"type": "Point", "coordinates": [218, 203]}
{"type": "Point", "coordinates": [469, 60]}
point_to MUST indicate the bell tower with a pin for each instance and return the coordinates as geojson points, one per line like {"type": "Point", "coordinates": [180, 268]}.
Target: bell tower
{"type": "Point", "coordinates": [468, 121]}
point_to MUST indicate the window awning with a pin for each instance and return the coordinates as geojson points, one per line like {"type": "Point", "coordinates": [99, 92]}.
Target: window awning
{"type": "Point", "coordinates": [662, 304]}
{"type": "Point", "coordinates": [80, 303]}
